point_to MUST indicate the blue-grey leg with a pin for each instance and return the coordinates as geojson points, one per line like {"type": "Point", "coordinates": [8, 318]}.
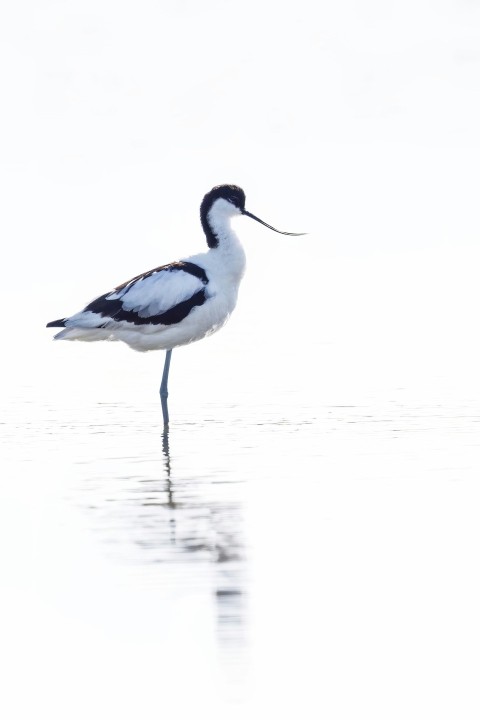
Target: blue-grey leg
{"type": "Point", "coordinates": [164, 387]}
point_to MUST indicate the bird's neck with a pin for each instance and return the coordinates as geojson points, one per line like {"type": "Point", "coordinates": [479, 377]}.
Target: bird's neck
{"type": "Point", "coordinates": [226, 245]}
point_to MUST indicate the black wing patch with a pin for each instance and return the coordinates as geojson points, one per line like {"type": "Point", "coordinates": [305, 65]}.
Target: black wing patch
{"type": "Point", "coordinates": [57, 323]}
{"type": "Point", "coordinates": [113, 308]}
{"type": "Point", "coordinates": [183, 265]}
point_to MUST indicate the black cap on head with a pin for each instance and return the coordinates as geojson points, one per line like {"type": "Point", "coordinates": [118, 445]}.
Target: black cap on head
{"type": "Point", "coordinates": [231, 193]}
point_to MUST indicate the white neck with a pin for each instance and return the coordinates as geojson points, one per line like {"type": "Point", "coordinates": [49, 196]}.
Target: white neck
{"type": "Point", "coordinates": [229, 247]}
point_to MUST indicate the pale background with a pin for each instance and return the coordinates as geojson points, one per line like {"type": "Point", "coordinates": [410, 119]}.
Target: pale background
{"type": "Point", "coordinates": [331, 428]}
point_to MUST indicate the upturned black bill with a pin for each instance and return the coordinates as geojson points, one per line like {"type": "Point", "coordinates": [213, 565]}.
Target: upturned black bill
{"type": "Point", "coordinates": [254, 217]}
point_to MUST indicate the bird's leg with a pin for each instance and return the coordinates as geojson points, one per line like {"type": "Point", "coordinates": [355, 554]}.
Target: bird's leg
{"type": "Point", "coordinates": [164, 387]}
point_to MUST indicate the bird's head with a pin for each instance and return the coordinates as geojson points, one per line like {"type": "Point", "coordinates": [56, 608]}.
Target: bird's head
{"type": "Point", "coordinates": [222, 203]}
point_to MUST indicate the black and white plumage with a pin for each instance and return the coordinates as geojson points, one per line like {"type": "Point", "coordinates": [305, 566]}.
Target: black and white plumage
{"type": "Point", "coordinates": [174, 304]}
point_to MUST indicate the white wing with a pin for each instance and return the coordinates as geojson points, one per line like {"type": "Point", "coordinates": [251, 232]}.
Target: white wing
{"type": "Point", "coordinates": [156, 292]}
{"type": "Point", "coordinates": [163, 296]}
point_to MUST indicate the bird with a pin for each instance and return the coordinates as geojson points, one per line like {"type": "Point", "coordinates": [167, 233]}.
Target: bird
{"type": "Point", "coordinates": [178, 303]}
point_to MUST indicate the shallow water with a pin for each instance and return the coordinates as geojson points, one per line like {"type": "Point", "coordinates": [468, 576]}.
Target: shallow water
{"type": "Point", "coordinates": [307, 550]}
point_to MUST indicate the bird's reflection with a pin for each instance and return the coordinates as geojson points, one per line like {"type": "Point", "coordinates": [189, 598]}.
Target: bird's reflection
{"type": "Point", "coordinates": [217, 531]}
{"type": "Point", "coordinates": [190, 523]}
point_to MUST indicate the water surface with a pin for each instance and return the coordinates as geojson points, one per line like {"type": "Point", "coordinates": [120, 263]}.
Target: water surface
{"type": "Point", "coordinates": [256, 557]}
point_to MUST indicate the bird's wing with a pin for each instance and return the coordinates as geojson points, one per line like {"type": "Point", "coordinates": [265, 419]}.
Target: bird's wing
{"type": "Point", "coordinates": [163, 296]}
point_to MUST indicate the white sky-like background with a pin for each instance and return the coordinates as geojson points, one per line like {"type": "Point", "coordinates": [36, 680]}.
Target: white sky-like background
{"type": "Point", "coordinates": [356, 121]}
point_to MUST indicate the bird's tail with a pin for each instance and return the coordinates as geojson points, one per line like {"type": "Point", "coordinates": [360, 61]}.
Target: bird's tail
{"type": "Point", "coordinates": [73, 331]}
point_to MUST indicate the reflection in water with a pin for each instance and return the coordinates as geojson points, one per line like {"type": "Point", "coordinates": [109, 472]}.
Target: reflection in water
{"type": "Point", "coordinates": [178, 520]}
{"type": "Point", "coordinates": [216, 531]}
